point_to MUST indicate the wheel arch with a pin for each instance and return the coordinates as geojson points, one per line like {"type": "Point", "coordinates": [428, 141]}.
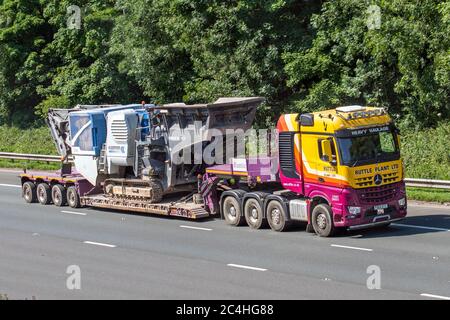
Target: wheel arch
{"type": "Point", "coordinates": [314, 201]}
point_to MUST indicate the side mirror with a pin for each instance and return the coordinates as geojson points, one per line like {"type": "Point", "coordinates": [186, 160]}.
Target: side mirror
{"type": "Point", "coordinates": [327, 155]}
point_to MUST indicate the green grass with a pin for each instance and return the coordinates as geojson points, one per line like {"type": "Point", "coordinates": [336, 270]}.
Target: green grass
{"type": "Point", "coordinates": [430, 195]}
{"type": "Point", "coordinates": [22, 164]}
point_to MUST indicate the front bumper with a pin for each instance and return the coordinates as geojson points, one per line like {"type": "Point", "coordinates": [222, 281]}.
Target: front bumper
{"type": "Point", "coordinates": [373, 224]}
{"type": "Point", "coordinates": [368, 200]}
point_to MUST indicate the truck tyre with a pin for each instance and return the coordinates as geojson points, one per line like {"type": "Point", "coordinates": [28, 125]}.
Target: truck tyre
{"type": "Point", "coordinates": [59, 195]}
{"type": "Point", "coordinates": [29, 192]}
{"type": "Point", "coordinates": [73, 199]}
{"type": "Point", "coordinates": [276, 217]}
{"type": "Point", "coordinates": [253, 214]}
{"type": "Point", "coordinates": [322, 220]}
{"type": "Point", "coordinates": [44, 193]}
{"type": "Point", "coordinates": [232, 211]}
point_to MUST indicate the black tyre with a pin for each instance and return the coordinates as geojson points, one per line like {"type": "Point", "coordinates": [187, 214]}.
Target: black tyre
{"type": "Point", "coordinates": [59, 195]}
{"type": "Point", "coordinates": [232, 211]}
{"type": "Point", "coordinates": [322, 220]}
{"type": "Point", "coordinates": [44, 194]}
{"type": "Point", "coordinates": [29, 192]}
{"type": "Point", "coordinates": [254, 214]}
{"type": "Point", "coordinates": [276, 217]}
{"type": "Point", "coordinates": [72, 197]}
{"type": "Point", "coordinates": [310, 228]}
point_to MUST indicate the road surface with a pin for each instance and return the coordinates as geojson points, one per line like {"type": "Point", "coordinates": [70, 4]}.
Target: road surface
{"type": "Point", "coordinates": [125, 256]}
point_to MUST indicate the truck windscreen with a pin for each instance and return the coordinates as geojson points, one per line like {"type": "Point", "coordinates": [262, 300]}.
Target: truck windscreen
{"type": "Point", "coordinates": [369, 148]}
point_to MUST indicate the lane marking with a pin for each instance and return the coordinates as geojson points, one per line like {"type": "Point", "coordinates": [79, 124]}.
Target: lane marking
{"type": "Point", "coordinates": [419, 227]}
{"type": "Point", "coordinates": [10, 185]}
{"type": "Point", "coordinates": [76, 213]}
{"type": "Point", "coordinates": [245, 267]}
{"type": "Point", "coordinates": [196, 228]}
{"type": "Point", "coordinates": [100, 244]}
{"type": "Point", "coordinates": [353, 248]}
{"type": "Point", "coordinates": [434, 296]}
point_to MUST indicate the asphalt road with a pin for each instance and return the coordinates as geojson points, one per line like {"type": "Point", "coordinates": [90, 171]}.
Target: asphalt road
{"type": "Point", "coordinates": [125, 256]}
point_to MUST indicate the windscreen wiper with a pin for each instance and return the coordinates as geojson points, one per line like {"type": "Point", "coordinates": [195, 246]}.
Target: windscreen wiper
{"type": "Point", "coordinates": [355, 163]}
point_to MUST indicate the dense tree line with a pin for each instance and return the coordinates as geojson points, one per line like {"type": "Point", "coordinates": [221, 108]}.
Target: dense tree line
{"type": "Point", "coordinates": [299, 54]}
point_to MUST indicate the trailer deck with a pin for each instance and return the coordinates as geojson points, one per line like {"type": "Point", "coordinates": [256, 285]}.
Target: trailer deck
{"type": "Point", "coordinates": [173, 208]}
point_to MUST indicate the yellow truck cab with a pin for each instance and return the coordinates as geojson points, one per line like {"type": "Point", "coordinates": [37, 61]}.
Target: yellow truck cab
{"type": "Point", "coordinates": [347, 163]}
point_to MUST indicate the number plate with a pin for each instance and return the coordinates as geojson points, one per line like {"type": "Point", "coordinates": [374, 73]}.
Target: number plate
{"type": "Point", "coordinates": [381, 206]}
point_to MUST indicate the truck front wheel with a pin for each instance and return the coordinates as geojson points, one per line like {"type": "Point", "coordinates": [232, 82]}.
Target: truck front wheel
{"type": "Point", "coordinates": [59, 195]}
{"type": "Point", "coordinates": [322, 220]}
{"type": "Point", "coordinates": [29, 192]}
{"type": "Point", "coordinates": [72, 197]}
{"type": "Point", "coordinates": [232, 211]}
{"type": "Point", "coordinates": [44, 194]}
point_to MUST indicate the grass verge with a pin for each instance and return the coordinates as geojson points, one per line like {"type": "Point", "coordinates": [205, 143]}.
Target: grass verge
{"type": "Point", "coordinates": [427, 194]}
{"type": "Point", "coordinates": [31, 165]}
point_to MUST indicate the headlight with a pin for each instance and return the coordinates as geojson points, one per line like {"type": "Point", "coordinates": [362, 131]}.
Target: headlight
{"type": "Point", "coordinates": [354, 210]}
{"type": "Point", "coordinates": [402, 202]}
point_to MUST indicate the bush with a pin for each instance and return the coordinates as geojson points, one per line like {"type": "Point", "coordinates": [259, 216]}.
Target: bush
{"type": "Point", "coordinates": [427, 152]}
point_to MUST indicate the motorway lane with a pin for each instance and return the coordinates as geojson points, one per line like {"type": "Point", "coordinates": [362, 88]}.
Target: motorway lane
{"type": "Point", "coordinates": [155, 258]}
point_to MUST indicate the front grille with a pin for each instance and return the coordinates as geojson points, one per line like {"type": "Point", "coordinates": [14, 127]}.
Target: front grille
{"type": "Point", "coordinates": [286, 147]}
{"type": "Point", "coordinates": [368, 180]}
{"type": "Point", "coordinates": [380, 194]}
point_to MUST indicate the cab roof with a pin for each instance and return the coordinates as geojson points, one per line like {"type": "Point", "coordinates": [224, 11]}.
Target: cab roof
{"type": "Point", "coordinates": [330, 121]}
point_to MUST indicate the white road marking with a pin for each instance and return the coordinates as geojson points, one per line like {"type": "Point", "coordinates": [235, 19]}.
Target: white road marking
{"type": "Point", "coordinates": [196, 228]}
{"type": "Point", "coordinates": [353, 248]}
{"type": "Point", "coordinates": [76, 213]}
{"type": "Point", "coordinates": [419, 227]}
{"type": "Point", "coordinates": [100, 244]}
{"type": "Point", "coordinates": [10, 185]}
{"type": "Point", "coordinates": [245, 267]}
{"type": "Point", "coordinates": [434, 296]}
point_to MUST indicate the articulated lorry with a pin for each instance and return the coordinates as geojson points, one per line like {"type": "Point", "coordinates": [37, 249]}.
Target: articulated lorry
{"type": "Point", "coordinates": [331, 169]}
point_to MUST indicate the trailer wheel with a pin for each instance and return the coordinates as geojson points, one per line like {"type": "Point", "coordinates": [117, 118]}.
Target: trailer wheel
{"type": "Point", "coordinates": [73, 199]}
{"type": "Point", "coordinates": [253, 214]}
{"type": "Point", "coordinates": [29, 192]}
{"type": "Point", "coordinates": [44, 193]}
{"type": "Point", "coordinates": [232, 211]}
{"type": "Point", "coordinates": [322, 220]}
{"type": "Point", "coordinates": [276, 217]}
{"type": "Point", "coordinates": [59, 195]}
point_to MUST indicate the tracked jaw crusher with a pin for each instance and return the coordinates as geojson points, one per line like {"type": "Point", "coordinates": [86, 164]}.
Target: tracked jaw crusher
{"type": "Point", "coordinates": [145, 152]}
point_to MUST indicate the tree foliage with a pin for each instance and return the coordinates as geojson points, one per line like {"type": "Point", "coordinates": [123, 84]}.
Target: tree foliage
{"type": "Point", "coordinates": [403, 64]}
{"type": "Point", "coordinates": [299, 54]}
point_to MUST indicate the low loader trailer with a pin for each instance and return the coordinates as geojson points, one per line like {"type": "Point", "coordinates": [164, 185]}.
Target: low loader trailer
{"type": "Point", "coordinates": [330, 170]}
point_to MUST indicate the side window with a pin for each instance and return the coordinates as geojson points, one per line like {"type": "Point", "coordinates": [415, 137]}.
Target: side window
{"type": "Point", "coordinates": [333, 149]}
